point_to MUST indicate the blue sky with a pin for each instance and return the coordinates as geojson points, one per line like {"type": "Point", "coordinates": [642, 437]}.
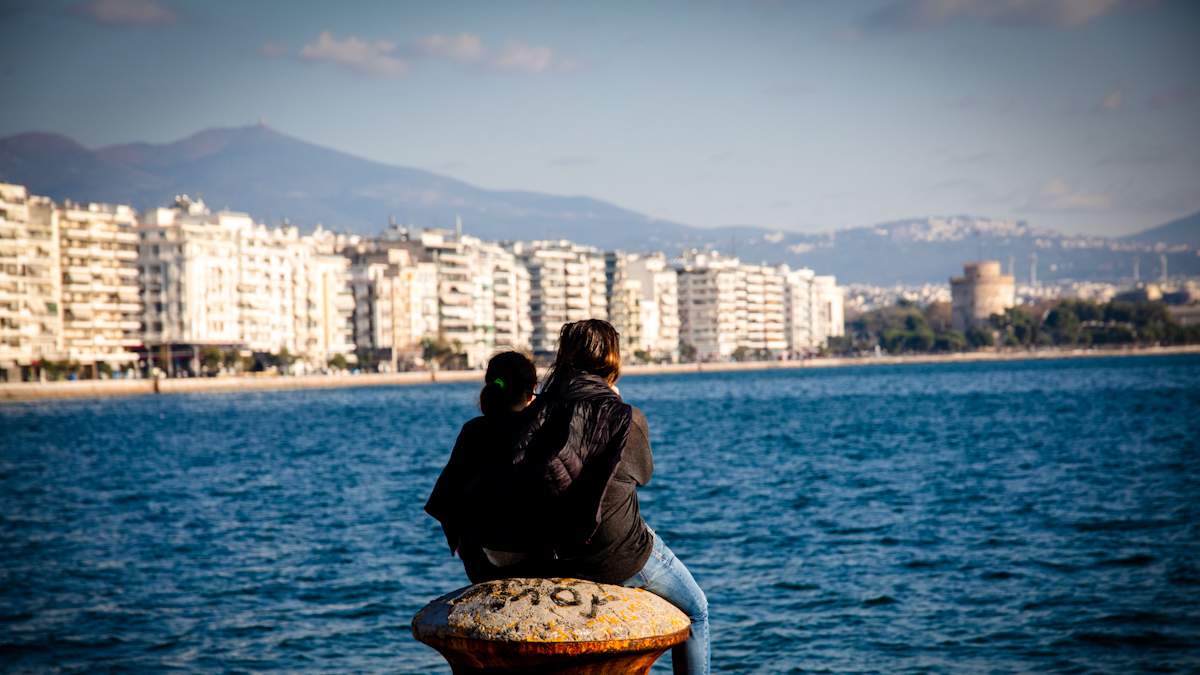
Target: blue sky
{"type": "Point", "coordinates": [1076, 115]}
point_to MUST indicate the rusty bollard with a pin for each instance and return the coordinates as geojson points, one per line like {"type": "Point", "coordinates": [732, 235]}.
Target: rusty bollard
{"type": "Point", "coordinates": [550, 626]}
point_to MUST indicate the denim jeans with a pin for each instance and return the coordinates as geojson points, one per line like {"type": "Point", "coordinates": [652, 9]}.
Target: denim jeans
{"type": "Point", "coordinates": [667, 577]}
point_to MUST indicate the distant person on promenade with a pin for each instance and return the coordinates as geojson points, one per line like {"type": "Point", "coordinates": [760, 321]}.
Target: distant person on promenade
{"type": "Point", "coordinates": [483, 447]}
{"type": "Point", "coordinates": [566, 505]}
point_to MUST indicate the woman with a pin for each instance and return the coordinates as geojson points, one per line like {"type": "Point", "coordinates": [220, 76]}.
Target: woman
{"type": "Point", "coordinates": [584, 452]}
{"type": "Point", "coordinates": [460, 495]}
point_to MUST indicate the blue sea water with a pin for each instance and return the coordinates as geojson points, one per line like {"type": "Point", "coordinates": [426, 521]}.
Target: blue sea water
{"type": "Point", "coordinates": [1001, 517]}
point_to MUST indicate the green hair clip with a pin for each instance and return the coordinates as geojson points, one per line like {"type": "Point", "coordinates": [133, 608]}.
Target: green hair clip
{"type": "Point", "coordinates": [499, 382]}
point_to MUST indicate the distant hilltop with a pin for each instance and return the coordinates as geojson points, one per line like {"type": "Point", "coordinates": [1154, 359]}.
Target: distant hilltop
{"type": "Point", "coordinates": [273, 177]}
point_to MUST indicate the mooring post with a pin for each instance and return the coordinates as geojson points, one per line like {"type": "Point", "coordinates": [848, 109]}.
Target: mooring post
{"type": "Point", "coordinates": [550, 626]}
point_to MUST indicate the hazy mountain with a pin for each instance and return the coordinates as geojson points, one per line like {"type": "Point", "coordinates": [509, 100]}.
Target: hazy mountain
{"type": "Point", "coordinates": [1184, 231]}
{"type": "Point", "coordinates": [273, 176]}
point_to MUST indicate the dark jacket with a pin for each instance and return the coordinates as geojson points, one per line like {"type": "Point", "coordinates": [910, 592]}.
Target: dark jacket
{"type": "Point", "coordinates": [622, 542]}
{"type": "Point", "coordinates": [483, 449]}
{"type": "Point", "coordinates": [567, 455]}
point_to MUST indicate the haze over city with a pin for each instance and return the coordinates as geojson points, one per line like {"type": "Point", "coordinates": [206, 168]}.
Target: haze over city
{"type": "Point", "coordinates": [1073, 115]}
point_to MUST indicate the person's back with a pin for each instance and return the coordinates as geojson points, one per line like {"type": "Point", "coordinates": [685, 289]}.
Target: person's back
{"type": "Point", "coordinates": [462, 496]}
{"type": "Point", "coordinates": [589, 451]}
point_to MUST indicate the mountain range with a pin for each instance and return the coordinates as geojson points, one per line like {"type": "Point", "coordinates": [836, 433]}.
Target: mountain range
{"type": "Point", "coordinates": [274, 177]}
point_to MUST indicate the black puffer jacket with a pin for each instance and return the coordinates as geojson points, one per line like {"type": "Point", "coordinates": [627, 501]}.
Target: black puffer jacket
{"type": "Point", "coordinates": [561, 467]}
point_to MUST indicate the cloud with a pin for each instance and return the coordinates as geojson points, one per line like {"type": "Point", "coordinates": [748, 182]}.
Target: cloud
{"type": "Point", "coordinates": [383, 57]}
{"type": "Point", "coordinates": [908, 15]}
{"type": "Point", "coordinates": [1112, 101]}
{"type": "Point", "coordinates": [1169, 98]}
{"type": "Point", "coordinates": [126, 12]}
{"type": "Point", "coordinates": [464, 47]}
{"type": "Point", "coordinates": [1056, 195]}
{"type": "Point", "coordinates": [525, 57]}
{"type": "Point", "coordinates": [374, 58]}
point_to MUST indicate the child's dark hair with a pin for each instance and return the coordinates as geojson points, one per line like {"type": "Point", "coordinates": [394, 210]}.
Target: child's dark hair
{"type": "Point", "coordinates": [509, 382]}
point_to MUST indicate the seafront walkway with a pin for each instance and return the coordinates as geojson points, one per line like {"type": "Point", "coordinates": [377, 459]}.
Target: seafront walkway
{"type": "Point", "coordinates": [32, 391]}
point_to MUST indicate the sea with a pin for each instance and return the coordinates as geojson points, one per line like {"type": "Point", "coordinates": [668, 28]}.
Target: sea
{"type": "Point", "coordinates": [1027, 516]}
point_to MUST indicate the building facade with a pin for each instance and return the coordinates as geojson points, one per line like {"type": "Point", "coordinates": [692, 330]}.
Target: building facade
{"type": "Point", "coordinates": [221, 280]}
{"type": "Point", "coordinates": [30, 283]}
{"type": "Point", "coordinates": [395, 302]}
{"type": "Point", "coordinates": [708, 304]}
{"type": "Point", "coordinates": [566, 283]}
{"type": "Point", "coordinates": [101, 306]}
{"type": "Point", "coordinates": [643, 304]}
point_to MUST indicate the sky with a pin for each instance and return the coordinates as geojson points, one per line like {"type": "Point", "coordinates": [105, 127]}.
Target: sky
{"type": "Point", "coordinates": [1081, 116]}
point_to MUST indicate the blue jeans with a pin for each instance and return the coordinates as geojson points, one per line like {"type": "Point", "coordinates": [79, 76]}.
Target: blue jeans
{"type": "Point", "coordinates": [665, 576]}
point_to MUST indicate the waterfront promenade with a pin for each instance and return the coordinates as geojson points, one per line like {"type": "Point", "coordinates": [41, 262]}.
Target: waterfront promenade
{"type": "Point", "coordinates": [32, 391]}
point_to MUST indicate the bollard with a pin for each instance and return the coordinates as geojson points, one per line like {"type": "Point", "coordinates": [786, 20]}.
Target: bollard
{"type": "Point", "coordinates": [550, 626]}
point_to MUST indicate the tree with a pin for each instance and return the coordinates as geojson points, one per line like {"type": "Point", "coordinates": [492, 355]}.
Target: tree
{"type": "Point", "coordinates": [978, 337]}
{"type": "Point", "coordinates": [338, 362]}
{"type": "Point", "coordinates": [937, 315]}
{"type": "Point", "coordinates": [920, 340]}
{"type": "Point", "coordinates": [687, 352]}
{"type": "Point", "coordinates": [368, 359]}
{"type": "Point", "coordinates": [950, 341]}
{"type": "Point", "coordinates": [210, 360]}
{"type": "Point", "coordinates": [283, 360]}
{"type": "Point", "coordinates": [1062, 324]}
{"type": "Point", "coordinates": [442, 353]}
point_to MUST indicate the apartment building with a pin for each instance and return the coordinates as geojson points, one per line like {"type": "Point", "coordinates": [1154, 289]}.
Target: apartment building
{"type": "Point", "coordinates": [219, 279]}
{"type": "Point", "coordinates": [759, 310]}
{"type": "Point", "coordinates": [708, 305]}
{"type": "Point", "coordinates": [829, 318]}
{"type": "Point", "coordinates": [510, 290]}
{"type": "Point", "coordinates": [566, 283]}
{"type": "Point", "coordinates": [643, 304]}
{"type": "Point", "coordinates": [30, 283]}
{"type": "Point", "coordinates": [101, 306]}
{"type": "Point", "coordinates": [395, 301]}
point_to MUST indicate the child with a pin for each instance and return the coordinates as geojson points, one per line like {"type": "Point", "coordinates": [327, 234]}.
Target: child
{"type": "Point", "coordinates": [482, 447]}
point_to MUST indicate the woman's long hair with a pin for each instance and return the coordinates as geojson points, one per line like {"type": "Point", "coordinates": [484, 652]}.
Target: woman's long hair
{"type": "Point", "coordinates": [589, 346]}
{"type": "Point", "coordinates": [509, 382]}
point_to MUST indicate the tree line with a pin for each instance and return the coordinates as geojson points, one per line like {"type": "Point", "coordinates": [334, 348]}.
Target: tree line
{"type": "Point", "coordinates": [906, 328]}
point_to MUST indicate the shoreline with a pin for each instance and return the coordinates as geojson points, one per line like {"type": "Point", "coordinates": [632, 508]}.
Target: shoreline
{"type": "Point", "coordinates": [39, 391]}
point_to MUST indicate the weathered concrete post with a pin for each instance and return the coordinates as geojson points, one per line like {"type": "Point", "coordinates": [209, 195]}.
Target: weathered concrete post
{"type": "Point", "coordinates": [550, 626]}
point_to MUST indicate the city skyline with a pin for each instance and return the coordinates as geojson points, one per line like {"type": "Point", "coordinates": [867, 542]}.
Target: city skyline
{"type": "Point", "coordinates": [1077, 116]}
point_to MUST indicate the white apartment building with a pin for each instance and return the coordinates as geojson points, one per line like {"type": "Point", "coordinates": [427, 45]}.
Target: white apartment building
{"type": "Point", "coordinates": [101, 307]}
{"type": "Point", "coordinates": [324, 302]}
{"type": "Point", "coordinates": [510, 291]}
{"type": "Point", "coordinates": [567, 283]}
{"type": "Point", "coordinates": [829, 318]}
{"type": "Point", "coordinates": [482, 294]}
{"type": "Point", "coordinates": [814, 311]}
{"type": "Point", "coordinates": [30, 282]}
{"type": "Point", "coordinates": [760, 311]}
{"type": "Point", "coordinates": [708, 305]}
{"type": "Point", "coordinates": [219, 279]}
{"type": "Point", "coordinates": [764, 311]}
{"type": "Point", "coordinates": [643, 304]}
{"type": "Point", "coordinates": [395, 301]}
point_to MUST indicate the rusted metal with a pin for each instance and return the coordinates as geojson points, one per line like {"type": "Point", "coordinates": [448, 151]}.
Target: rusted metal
{"type": "Point", "coordinates": [550, 626]}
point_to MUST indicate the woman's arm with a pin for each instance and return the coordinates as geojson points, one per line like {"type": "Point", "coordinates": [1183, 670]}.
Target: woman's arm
{"type": "Point", "coordinates": [638, 460]}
